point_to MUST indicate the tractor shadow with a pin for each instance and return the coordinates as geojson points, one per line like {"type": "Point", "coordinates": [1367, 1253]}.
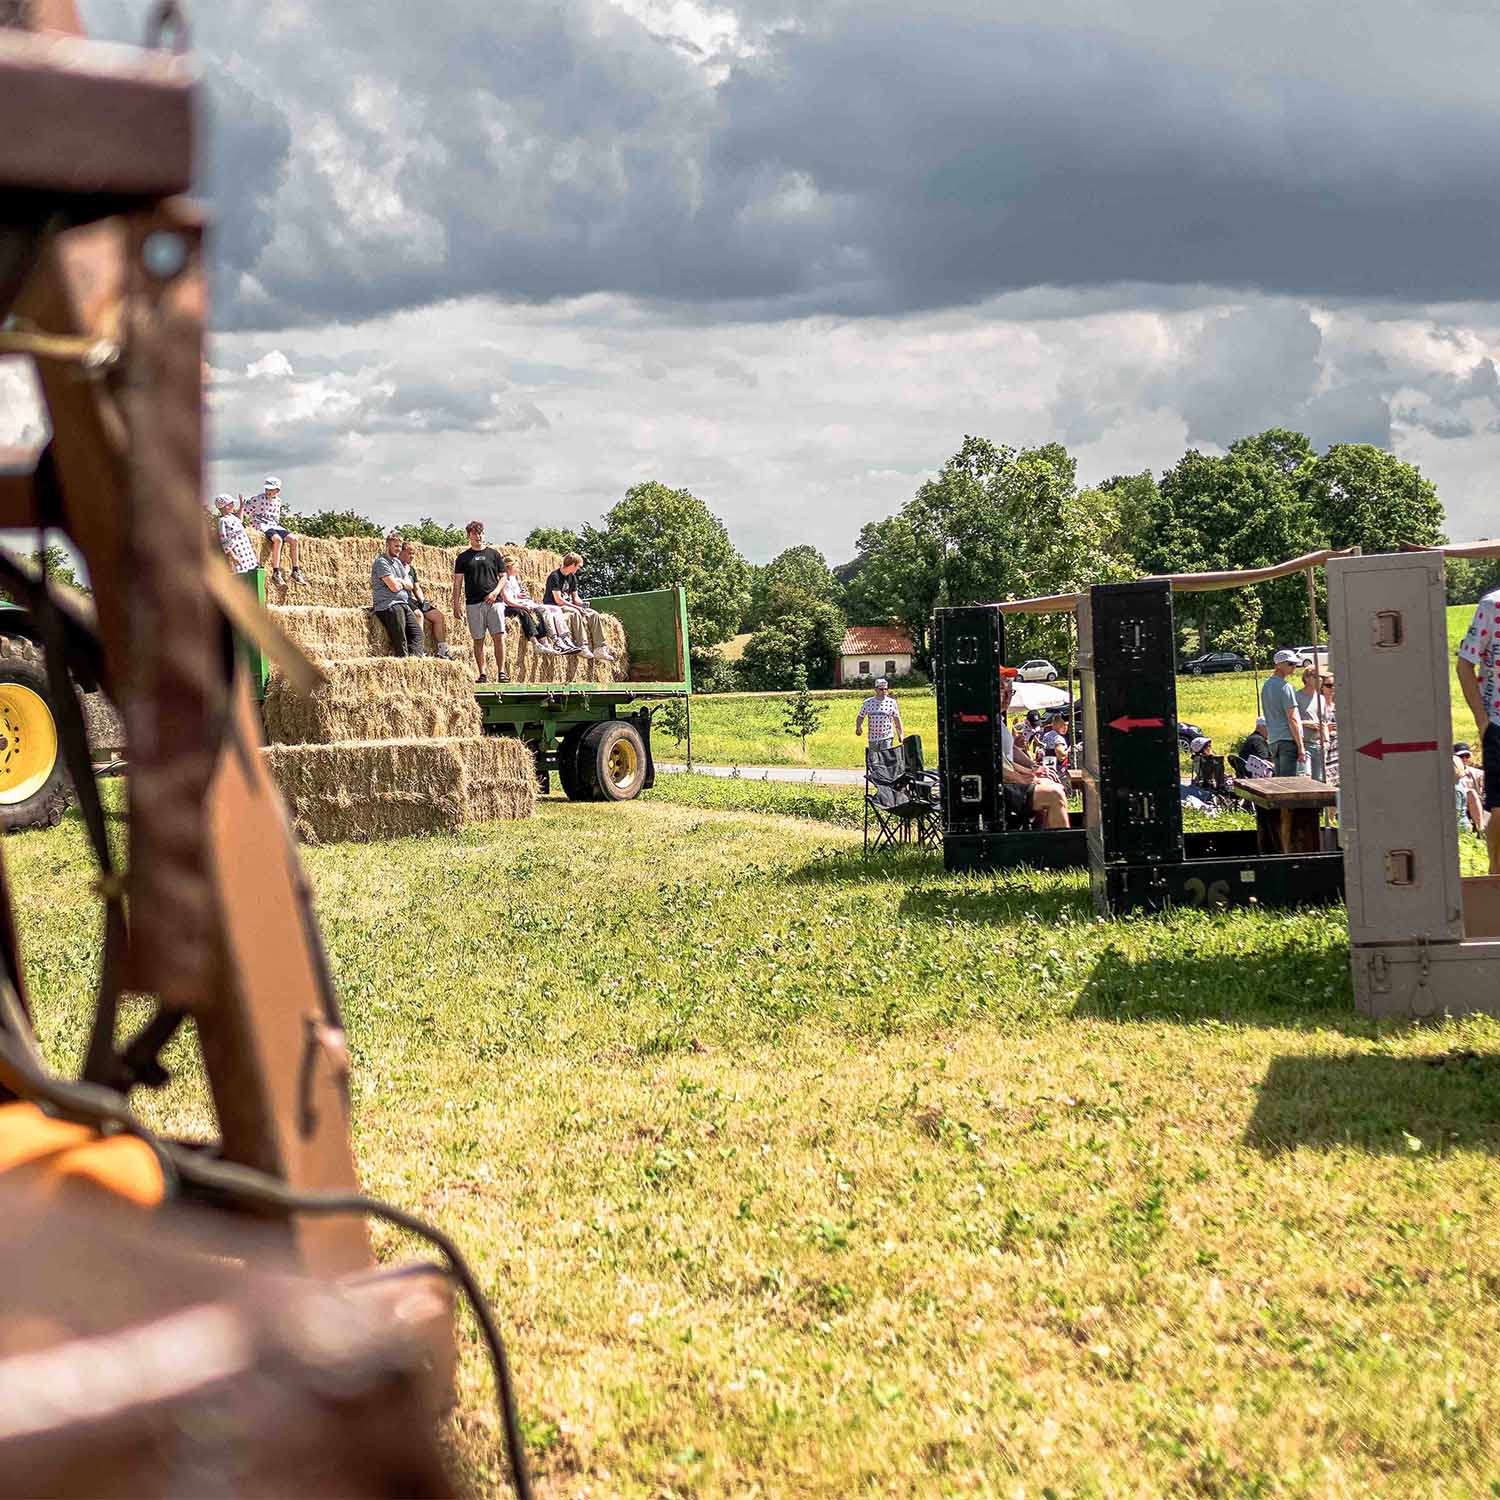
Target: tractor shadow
{"type": "Point", "coordinates": [1298, 989]}
{"type": "Point", "coordinates": [1399, 1106]}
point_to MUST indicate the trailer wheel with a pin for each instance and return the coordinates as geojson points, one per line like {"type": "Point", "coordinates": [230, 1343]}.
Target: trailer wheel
{"type": "Point", "coordinates": [567, 766]}
{"type": "Point", "coordinates": [612, 761]}
{"type": "Point", "coordinates": [34, 790]}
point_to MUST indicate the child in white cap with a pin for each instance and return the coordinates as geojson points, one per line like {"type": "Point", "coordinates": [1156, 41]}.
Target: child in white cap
{"type": "Point", "coordinates": [232, 537]}
{"type": "Point", "coordinates": [264, 512]}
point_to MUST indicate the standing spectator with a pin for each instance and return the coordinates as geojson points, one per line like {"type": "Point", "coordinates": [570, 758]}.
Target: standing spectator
{"type": "Point", "coordinates": [422, 606]}
{"type": "Point", "coordinates": [562, 593]}
{"type": "Point", "coordinates": [232, 536]}
{"type": "Point", "coordinates": [1278, 703]}
{"type": "Point", "coordinates": [392, 602]}
{"type": "Point", "coordinates": [1329, 719]}
{"type": "Point", "coordinates": [476, 594]}
{"type": "Point", "coordinates": [884, 718]}
{"type": "Point", "coordinates": [1310, 711]}
{"type": "Point", "coordinates": [1479, 677]}
{"type": "Point", "coordinates": [263, 511]}
{"type": "Point", "coordinates": [529, 612]}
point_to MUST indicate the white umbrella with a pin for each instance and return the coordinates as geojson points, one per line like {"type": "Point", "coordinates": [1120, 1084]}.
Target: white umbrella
{"type": "Point", "coordinates": [1027, 695]}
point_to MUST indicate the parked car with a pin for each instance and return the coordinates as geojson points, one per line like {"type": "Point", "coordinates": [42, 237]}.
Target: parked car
{"type": "Point", "coordinates": [1037, 670]}
{"type": "Point", "coordinates": [1217, 661]}
{"type": "Point", "coordinates": [1305, 654]}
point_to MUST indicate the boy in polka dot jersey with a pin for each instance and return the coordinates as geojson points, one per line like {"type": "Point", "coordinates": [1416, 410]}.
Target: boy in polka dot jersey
{"type": "Point", "coordinates": [1479, 677]}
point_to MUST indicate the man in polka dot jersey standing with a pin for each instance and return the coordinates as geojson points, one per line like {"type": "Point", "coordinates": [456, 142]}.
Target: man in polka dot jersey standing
{"type": "Point", "coordinates": [1479, 677]}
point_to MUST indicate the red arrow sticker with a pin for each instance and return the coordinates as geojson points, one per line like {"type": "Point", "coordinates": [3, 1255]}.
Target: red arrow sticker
{"type": "Point", "coordinates": [1125, 725]}
{"type": "Point", "coordinates": [1377, 749]}
{"type": "Point", "coordinates": [973, 718]}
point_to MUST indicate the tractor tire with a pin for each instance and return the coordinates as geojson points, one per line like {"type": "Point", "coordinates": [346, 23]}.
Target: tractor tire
{"type": "Point", "coordinates": [612, 761]}
{"type": "Point", "coordinates": [34, 789]}
{"type": "Point", "coordinates": [567, 766]}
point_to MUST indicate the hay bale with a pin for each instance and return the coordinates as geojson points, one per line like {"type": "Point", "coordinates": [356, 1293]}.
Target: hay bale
{"type": "Point", "coordinates": [374, 698]}
{"type": "Point", "coordinates": [330, 634]}
{"type": "Point", "coordinates": [377, 789]}
{"type": "Point", "coordinates": [338, 570]}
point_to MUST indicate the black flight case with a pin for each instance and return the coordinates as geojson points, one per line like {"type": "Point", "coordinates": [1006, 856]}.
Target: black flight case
{"type": "Point", "coordinates": [1139, 857]}
{"type": "Point", "coordinates": [968, 650]}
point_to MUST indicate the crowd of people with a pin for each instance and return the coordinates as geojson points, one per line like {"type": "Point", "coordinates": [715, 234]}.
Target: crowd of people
{"type": "Point", "coordinates": [486, 588]}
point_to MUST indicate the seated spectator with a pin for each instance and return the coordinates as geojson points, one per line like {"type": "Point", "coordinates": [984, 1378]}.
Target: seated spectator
{"type": "Point", "coordinates": [1468, 789]}
{"type": "Point", "coordinates": [263, 511]}
{"type": "Point", "coordinates": [1256, 743]}
{"type": "Point", "coordinates": [562, 593]}
{"type": "Point", "coordinates": [1029, 793]}
{"type": "Point", "coordinates": [421, 605]}
{"type": "Point", "coordinates": [534, 625]}
{"type": "Point", "coordinates": [232, 537]}
{"type": "Point", "coordinates": [1054, 741]}
{"type": "Point", "coordinates": [392, 602]}
{"type": "Point", "coordinates": [476, 594]}
{"type": "Point", "coordinates": [1208, 769]}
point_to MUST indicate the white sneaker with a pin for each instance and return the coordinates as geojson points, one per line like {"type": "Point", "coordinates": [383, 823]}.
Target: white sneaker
{"type": "Point", "coordinates": [544, 648]}
{"type": "Point", "coordinates": [584, 651]}
{"type": "Point", "coordinates": [605, 654]}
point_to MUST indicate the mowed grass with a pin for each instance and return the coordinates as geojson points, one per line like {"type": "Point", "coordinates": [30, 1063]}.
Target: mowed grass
{"type": "Point", "coordinates": [793, 1174]}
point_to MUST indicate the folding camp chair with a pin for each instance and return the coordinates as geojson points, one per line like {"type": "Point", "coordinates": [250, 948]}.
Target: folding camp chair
{"type": "Point", "coordinates": [901, 798]}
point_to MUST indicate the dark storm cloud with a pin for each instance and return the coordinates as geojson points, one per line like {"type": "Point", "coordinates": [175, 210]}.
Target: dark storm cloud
{"type": "Point", "coordinates": [870, 159]}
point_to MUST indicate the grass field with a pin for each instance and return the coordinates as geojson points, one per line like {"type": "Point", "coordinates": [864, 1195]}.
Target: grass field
{"type": "Point", "coordinates": [747, 731]}
{"type": "Point", "coordinates": [796, 1175]}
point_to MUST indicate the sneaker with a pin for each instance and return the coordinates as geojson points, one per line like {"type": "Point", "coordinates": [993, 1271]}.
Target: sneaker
{"type": "Point", "coordinates": [604, 654]}
{"type": "Point", "coordinates": [546, 648]}
{"type": "Point", "coordinates": [442, 652]}
{"type": "Point", "coordinates": [584, 650]}
{"type": "Point", "coordinates": [297, 576]}
{"type": "Point", "coordinates": [278, 578]}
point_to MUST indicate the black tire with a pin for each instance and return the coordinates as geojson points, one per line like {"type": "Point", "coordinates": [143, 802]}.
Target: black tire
{"type": "Point", "coordinates": [23, 668]}
{"type": "Point", "coordinates": [1239, 666]}
{"type": "Point", "coordinates": [567, 766]}
{"type": "Point", "coordinates": [612, 761]}
{"type": "Point", "coordinates": [1196, 671]}
{"type": "Point", "coordinates": [1051, 676]}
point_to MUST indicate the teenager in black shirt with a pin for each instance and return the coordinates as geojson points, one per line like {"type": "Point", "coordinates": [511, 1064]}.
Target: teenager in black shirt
{"type": "Point", "coordinates": [562, 593]}
{"type": "Point", "coordinates": [477, 572]}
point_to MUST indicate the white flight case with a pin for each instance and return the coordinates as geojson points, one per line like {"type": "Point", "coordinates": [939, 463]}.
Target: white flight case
{"type": "Point", "coordinates": [1422, 941]}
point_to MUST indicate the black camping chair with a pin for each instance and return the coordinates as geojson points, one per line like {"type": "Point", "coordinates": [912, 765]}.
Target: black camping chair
{"type": "Point", "coordinates": [901, 798]}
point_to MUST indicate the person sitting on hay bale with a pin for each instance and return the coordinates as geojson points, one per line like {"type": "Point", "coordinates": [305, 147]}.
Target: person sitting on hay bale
{"type": "Point", "coordinates": [476, 593]}
{"type": "Point", "coordinates": [422, 606]}
{"type": "Point", "coordinates": [584, 624]}
{"type": "Point", "coordinates": [1029, 793]}
{"type": "Point", "coordinates": [529, 612]}
{"type": "Point", "coordinates": [263, 511]}
{"type": "Point", "coordinates": [232, 536]}
{"type": "Point", "coordinates": [392, 602]}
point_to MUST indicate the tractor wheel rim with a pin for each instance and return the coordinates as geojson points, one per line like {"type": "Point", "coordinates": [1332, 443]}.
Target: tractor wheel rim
{"type": "Point", "coordinates": [30, 743]}
{"type": "Point", "coordinates": [623, 763]}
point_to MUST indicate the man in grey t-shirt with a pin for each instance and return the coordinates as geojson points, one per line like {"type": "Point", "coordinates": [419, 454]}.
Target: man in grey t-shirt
{"type": "Point", "coordinates": [392, 602]}
{"type": "Point", "coordinates": [1278, 704]}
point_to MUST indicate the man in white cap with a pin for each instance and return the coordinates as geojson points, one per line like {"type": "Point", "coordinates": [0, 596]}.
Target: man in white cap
{"type": "Point", "coordinates": [1278, 706]}
{"type": "Point", "coordinates": [884, 718]}
{"type": "Point", "coordinates": [263, 511]}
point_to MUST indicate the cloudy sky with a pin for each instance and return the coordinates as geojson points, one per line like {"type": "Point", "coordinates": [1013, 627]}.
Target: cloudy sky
{"type": "Point", "coordinates": [508, 260]}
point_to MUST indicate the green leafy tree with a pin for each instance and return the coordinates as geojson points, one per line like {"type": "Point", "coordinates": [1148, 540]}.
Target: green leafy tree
{"type": "Point", "coordinates": [435, 533]}
{"type": "Point", "coordinates": [57, 563]}
{"type": "Point", "coordinates": [553, 539]}
{"type": "Point", "coordinates": [803, 716]}
{"type": "Point", "coordinates": [1366, 497]}
{"type": "Point", "coordinates": [806, 638]}
{"type": "Point", "coordinates": [656, 537]}
{"type": "Point", "coordinates": [672, 719]}
{"type": "Point", "coordinates": [1136, 501]}
{"type": "Point", "coordinates": [798, 573]}
{"type": "Point", "coordinates": [332, 523]}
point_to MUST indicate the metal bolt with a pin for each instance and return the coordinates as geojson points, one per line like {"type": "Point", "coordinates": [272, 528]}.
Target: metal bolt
{"type": "Point", "coordinates": [164, 254]}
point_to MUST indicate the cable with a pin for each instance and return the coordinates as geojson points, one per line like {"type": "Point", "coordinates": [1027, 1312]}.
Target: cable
{"type": "Point", "coordinates": [99, 1107]}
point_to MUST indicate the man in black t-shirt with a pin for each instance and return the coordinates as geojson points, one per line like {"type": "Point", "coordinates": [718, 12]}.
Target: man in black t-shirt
{"type": "Point", "coordinates": [562, 593]}
{"type": "Point", "coordinates": [477, 572]}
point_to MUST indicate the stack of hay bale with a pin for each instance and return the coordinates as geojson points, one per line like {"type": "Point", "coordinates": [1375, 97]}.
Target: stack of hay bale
{"type": "Point", "coordinates": [389, 746]}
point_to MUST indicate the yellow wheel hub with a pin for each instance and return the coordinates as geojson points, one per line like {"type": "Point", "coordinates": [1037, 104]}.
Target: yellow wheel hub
{"type": "Point", "coordinates": [28, 743]}
{"type": "Point", "coordinates": [624, 763]}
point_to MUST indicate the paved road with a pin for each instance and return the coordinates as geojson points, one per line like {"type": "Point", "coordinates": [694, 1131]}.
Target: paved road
{"type": "Point", "coordinates": [837, 776]}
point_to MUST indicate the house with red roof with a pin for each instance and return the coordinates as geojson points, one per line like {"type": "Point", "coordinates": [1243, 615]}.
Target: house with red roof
{"type": "Point", "coordinates": [871, 651]}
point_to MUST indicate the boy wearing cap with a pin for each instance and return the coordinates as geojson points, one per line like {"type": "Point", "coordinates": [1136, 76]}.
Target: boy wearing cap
{"type": "Point", "coordinates": [232, 536]}
{"type": "Point", "coordinates": [1278, 705]}
{"type": "Point", "coordinates": [1479, 677]}
{"type": "Point", "coordinates": [263, 511]}
{"type": "Point", "coordinates": [884, 718]}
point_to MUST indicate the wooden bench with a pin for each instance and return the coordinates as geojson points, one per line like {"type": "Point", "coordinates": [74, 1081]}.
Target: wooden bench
{"type": "Point", "coordinates": [1288, 812]}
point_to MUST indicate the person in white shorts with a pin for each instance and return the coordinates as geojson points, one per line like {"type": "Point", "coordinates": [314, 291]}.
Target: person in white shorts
{"type": "Point", "coordinates": [529, 612]}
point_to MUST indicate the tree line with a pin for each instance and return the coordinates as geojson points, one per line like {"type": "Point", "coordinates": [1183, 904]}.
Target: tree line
{"type": "Point", "coordinates": [1000, 522]}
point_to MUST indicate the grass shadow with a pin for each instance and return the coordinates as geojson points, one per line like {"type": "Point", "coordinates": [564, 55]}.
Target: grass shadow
{"type": "Point", "coordinates": [998, 902]}
{"type": "Point", "coordinates": [1299, 988]}
{"type": "Point", "coordinates": [1396, 1105]}
{"type": "Point", "coordinates": [855, 867]}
